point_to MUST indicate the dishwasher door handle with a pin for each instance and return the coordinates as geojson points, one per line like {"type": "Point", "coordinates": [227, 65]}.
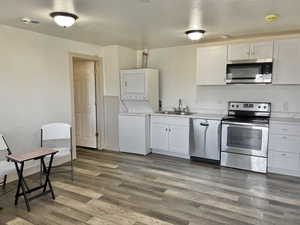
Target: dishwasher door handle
{"type": "Point", "coordinates": [204, 124]}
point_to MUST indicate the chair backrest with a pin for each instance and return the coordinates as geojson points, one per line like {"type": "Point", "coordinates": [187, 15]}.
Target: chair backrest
{"type": "Point", "coordinates": [56, 131]}
{"type": "Point", "coordinates": [3, 145]}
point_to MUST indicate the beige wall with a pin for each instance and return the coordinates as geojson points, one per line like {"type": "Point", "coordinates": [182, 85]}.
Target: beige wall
{"type": "Point", "coordinates": [35, 83]}
{"type": "Point", "coordinates": [177, 67]}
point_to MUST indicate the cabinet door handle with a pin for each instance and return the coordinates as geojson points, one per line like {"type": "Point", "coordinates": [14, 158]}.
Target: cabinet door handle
{"type": "Point", "coordinates": [204, 124]}
{"type": "Point", "coordinates": [166, 129]}
{"type": "Point", "coordinates": [169, 129]}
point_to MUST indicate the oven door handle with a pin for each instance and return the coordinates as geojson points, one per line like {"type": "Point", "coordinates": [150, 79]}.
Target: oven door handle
{"type": "Point", "coordinates": [246, 124]}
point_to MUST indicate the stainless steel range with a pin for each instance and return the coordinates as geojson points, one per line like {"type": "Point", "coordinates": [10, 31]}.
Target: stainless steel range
{"type": "Point", "coordinates": [245, 135]}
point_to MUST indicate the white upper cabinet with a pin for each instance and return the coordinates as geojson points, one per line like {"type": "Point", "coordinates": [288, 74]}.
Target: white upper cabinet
{"type": "Point", "coordinates": [259, 50]}
{"type": "Point", "coordinates": [211, 65]}
{"type": "Point", "coordinates": [262, 50]}
{"type": "Point", "coordinates": [238, 52]}
{"type": "Point", "coordinates": [286, 66]}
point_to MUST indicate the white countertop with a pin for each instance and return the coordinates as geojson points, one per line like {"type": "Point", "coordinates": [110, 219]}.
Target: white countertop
{"type": "Point", "coordinates": [193, 116]}
{"type": "Point", "coordinates": [285, 119]}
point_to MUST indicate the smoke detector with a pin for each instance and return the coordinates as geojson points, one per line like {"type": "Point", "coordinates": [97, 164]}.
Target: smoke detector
{"type": "Point", "coordinates": [28, 20]}
{"type": "Point", "coordinates": [271, 17]}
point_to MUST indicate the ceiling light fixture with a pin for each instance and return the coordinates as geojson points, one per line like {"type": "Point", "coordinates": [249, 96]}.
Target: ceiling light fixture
{"type": "Point", "coordinates": [64, 19]}
{"type": "Point", "coordinates": [195, 35]}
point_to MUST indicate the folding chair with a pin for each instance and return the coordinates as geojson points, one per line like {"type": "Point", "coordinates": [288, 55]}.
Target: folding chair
{"type": "Point", "coordinates": [59, 137]}
{"type": "Point", "coordinates": [5, 166]}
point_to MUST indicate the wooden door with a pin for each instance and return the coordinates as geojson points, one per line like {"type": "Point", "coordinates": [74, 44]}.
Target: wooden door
{"type": "Point", "coordinates": [85, 103]}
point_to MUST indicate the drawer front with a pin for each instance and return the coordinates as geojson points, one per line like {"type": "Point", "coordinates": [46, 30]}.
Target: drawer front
{"type": "Point", "coordinates": [285, 129]}
{"type": "Point", "coordinates": [284, 160]}
{"type": "Point", "coordinates": [159, 119]}
{"type": "Point", "coordinates": [285, 143]}
{"type": "Point", "coordinates": [179, 121]}
{"type": "Point", "coordinates": [171, 120]}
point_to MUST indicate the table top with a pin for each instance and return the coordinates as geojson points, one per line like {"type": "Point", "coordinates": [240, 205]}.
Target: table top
{"type": "Point", "coordinates": [39, 153]}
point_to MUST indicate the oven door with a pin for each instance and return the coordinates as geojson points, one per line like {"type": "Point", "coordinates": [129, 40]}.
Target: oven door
{"type": "Point", "coordinates": [245, 138]}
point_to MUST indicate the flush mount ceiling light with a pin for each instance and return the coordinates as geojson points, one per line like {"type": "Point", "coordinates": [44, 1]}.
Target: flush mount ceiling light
{"type": "Point", "coordinates": [195, 35]}
{"type": "Point", "coordinates": [64, 19]}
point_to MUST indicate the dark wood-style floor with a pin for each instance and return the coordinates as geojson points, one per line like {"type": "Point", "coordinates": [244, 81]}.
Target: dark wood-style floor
{"type": "Point", "coordinates": [123, 189]}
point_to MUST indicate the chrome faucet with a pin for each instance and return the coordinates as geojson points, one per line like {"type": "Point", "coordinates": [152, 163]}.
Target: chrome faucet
{"type": "Point", "coordinates": [180, 105]}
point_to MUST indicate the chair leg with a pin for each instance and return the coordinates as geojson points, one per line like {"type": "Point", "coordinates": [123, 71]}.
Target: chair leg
{"type": "Point", "coordinates": [41, 173]}
{"type": "Point", "coordinates": [4, 182]}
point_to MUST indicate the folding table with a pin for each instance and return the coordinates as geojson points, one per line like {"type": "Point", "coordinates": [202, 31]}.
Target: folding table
{"type": "Point", "coordinates": [19, 161]}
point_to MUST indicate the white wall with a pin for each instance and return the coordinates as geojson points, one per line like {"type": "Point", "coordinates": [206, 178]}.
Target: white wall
{"type": "Point", "coordinates": [177, 67]}
{"type": "Point", "coordinates": [35, 83]}
{"type": "Point", "coordinates": [116, 58]}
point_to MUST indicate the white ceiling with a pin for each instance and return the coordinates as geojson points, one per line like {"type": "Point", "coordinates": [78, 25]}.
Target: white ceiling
{"type": "Point", "coordinates": [152, 23]}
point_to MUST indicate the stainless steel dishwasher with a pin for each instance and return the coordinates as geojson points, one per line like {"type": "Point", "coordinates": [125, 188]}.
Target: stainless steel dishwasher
{"type": "Point", "coordinates": [205, 140]}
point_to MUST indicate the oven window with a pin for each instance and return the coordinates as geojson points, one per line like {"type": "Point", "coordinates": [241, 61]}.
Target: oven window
{"type": "Point", "coordinates": [246, 138]}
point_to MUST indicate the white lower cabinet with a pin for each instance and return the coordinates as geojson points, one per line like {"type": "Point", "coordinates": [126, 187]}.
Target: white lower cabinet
{"type": "Point", "coordinates": [159, 136]}
{"type": "Point", "coordinates": [284, 148]}
{"type": "Point", "coordinates": [170, 136]}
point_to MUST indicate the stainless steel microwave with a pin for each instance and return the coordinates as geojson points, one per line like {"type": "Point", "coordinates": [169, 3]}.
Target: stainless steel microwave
{"type": "Point", "coordinates": [250, 72]}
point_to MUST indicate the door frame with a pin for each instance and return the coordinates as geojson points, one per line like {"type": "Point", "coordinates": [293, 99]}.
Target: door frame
{"type": "Point", "coordinates": [99, 97]}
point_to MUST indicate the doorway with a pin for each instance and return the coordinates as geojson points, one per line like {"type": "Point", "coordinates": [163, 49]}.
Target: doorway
{"type": "Point", "coordinates": [87, 102]}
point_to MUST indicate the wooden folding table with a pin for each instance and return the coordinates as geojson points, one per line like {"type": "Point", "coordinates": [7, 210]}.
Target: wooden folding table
{"type": "Point", "coordinates": [19, 161]}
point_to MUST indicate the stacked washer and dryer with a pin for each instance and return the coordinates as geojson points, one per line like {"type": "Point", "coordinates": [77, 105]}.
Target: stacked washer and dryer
{"type": "Point", "coordinates": [139, 98]}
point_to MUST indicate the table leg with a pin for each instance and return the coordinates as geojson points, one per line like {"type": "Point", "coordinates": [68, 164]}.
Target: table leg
{"type": "Point", "coordinates": [21, 184]}
{"type": "Point", "coordinates": [47, 171]}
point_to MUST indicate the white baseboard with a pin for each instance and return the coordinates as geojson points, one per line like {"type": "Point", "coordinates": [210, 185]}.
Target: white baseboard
{"type": "Point", "coordinates": [175, 154]}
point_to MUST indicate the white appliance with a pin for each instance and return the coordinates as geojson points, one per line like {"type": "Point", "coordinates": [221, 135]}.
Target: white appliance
{"type": "Point", "coordinates": [205, 143]}
{"type": "Point", "coordinates": [139, 98]}
{"type": "Point", "coordinates": [134, 133]}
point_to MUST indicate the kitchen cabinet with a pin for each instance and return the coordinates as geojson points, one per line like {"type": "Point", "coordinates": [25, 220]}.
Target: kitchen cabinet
{"type": "Point", "coordinates": [238, 52]}
{"type": "Point", "coordinates": [170, 135]}
{"type": "Point", "coordinates": [178, 139]}
{"type": "Point", "coordinates": [250, 51]}
{"type": "Point", "coordinates": [286, 62]}
{"type": "Point", "coordinates": [284, 148]}
{"type": "Point", "coordinates": [159, 136]}
{"type": "Point", "coordinates": [211, 65]}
